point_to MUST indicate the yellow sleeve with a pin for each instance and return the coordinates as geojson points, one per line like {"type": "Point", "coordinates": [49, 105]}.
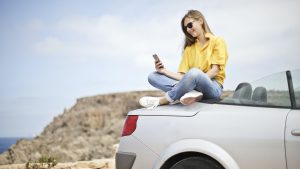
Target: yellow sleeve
{"type": "Point", "coordinates": [220, 54]}
{"type": "Point", "coordinates": [184, 64]}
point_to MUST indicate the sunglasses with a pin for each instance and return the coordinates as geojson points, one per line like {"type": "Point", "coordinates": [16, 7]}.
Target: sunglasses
{"type": "Point", "coordinates": [189, 25]}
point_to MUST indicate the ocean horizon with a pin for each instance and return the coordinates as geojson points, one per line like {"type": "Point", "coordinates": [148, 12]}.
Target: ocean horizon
{"type": "Point", "coordinates": [7, 142]}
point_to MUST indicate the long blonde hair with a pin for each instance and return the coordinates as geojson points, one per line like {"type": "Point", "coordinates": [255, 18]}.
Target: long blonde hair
{"type": "Point", "coordinates": [196, 15]}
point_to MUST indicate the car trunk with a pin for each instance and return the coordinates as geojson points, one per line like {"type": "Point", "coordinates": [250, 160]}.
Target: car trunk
{"type": "Point", "coordinates": [172, 110]}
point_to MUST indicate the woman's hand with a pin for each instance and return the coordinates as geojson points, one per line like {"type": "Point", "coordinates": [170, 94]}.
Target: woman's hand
{"type": "Point", "coordinates": [213, 71]}
{"type": "Point", "coordinates": [159, 66]}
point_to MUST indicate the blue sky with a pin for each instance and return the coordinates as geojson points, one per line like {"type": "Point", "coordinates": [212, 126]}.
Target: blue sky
{"type": "Point", "coordinates": [53, 52]}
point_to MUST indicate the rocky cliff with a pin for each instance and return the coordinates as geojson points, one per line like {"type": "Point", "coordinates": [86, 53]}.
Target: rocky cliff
{"type": "Point", "coordinates": [84, 132]}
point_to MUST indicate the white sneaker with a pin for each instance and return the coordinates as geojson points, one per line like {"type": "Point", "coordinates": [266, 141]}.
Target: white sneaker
{"type": "Point", "coordinates": [191, 97]}
{"type": "Point", "coordinates": [149, 102]}
{"type": "Point", "coordinates": [175, 102]}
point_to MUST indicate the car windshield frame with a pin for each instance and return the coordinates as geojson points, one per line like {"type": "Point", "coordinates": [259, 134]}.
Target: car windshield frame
{"type": "Point", "coordinates": [290, 90]}
{"type": "Point", "coordinates": [295, 88]}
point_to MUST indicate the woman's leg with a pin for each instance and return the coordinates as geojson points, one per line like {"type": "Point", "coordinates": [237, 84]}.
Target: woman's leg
{"type": "Point", "coordinates": [195, 79]}
{"type": "Point", "coordinates": [161, 81]}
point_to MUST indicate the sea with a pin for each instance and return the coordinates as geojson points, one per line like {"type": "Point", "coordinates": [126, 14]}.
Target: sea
{"type": "Point", "coordinates": [6, 142]}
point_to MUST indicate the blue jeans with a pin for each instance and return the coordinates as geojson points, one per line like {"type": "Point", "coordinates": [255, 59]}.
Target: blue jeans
{"type": "Point", "coordinates": [194, 79]}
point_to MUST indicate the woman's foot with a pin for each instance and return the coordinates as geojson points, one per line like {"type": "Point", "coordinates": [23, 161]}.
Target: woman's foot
{"type": "Point", "coordinates": [152, 102]}
{"type": "Point", "coordinates": [149, 102]}
{"type": "Point", "coordinates": [191, 97]}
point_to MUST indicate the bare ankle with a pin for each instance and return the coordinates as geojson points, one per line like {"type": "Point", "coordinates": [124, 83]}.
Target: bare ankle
{"type": "Point", "coordinates": [163, 101]}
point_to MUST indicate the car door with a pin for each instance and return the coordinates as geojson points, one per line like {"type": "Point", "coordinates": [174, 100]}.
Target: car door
{"type": "Point", "coordinates": [292, 139]}
{"type": "Point", "coordinates": [268, 104]}
{"type": "Point", "coordinates": [292, 134]}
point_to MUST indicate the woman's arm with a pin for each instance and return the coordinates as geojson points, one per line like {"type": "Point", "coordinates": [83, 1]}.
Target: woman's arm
{"type": "Point", "coordinates": [173, 75]}
{"type": "Point", "coordinates": [213, 71]}
{"type": "Point", "coordinates": [160, 68]}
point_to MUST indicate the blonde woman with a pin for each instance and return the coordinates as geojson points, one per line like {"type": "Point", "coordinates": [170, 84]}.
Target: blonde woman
{"type": "Point", "coordinates": [201, 72]}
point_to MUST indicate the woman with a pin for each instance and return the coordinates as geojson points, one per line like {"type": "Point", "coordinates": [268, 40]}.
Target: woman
{"type": "Point", "coordinates": [201, 72]}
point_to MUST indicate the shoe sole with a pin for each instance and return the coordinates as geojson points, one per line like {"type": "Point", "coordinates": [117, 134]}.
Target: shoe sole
{"type": "Point", "coordinates": [190, 99]}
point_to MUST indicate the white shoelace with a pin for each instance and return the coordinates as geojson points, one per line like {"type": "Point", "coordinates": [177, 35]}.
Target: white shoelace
{"type": "Point", "coordinates": [153, 102]}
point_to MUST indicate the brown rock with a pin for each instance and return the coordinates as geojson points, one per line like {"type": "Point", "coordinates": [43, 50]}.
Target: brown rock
{"type": "Point", "coordinates": [86, 131]}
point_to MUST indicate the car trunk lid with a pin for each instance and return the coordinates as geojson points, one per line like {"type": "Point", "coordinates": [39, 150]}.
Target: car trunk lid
{"type": "Point", "coordinates": [172, 110]}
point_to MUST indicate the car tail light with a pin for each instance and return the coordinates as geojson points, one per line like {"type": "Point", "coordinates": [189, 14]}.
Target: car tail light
{"type": "Point", "coordinates": [130, 125]}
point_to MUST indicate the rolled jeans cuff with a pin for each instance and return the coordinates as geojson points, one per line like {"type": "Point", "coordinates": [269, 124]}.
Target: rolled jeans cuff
{"type": "Point", "coordinates": [169, 98]}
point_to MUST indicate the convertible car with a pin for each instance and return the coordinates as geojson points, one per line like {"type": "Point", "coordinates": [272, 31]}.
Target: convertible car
{"type": "Point", "coordinates": [256, 127]}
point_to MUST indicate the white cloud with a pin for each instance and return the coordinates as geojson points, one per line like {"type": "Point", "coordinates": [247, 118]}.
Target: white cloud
{"type": "Point", "coordinates": [257, 33]}
{"type": "Point", "coordinates": [111, 36]}
{"type": "Point", "coordinates": [50, 45]}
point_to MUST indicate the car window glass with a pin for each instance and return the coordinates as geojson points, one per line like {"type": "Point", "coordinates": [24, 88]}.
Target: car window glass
{"type": "Point", "coordinates": [269, 91]}
{"type": "Point", "coordinates": [296, 85]}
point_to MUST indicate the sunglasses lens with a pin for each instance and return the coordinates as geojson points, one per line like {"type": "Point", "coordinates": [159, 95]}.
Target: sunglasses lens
{"type": "Point", "coordinates": [189, 25]}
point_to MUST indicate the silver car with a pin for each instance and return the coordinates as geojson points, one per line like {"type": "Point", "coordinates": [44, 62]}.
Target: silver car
{"type": "Point", "coordinates": [256, 127]}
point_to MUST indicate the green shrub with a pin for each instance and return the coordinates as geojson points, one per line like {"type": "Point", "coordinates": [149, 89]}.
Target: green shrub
{"type": "Point", "coordinates": [44, 162]}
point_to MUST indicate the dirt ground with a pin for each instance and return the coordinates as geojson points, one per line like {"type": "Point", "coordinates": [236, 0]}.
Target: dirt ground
{"type": "Point", "coordinates": [94, 164]}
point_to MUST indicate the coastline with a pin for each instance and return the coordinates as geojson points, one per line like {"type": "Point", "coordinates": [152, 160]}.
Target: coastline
{"type": "Point", "coordinates": [7, 142]}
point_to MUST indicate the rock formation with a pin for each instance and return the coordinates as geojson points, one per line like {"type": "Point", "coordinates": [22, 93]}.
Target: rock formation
{"type": "Point", "coordinates": [84, 132]}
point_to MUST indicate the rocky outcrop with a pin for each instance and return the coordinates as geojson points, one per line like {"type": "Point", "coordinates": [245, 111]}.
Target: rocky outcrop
{"type": "Point", "coordinates": [84, 132]}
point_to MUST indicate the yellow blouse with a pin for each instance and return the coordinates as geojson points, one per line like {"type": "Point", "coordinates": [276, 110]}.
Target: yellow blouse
{"type": "Point", "coordinates": [214, 52]}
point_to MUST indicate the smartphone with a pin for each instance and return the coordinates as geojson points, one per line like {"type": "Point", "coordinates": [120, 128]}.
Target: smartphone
{"type": "Point", "coordinates": [156, 58]}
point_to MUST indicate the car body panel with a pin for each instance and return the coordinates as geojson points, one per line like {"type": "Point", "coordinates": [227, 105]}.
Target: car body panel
{"type": "Point", "coordinates": [131, 144]}
{"type": "Point", "coordinates": [293, 141]}
{"type": "Point", "coordinates": [197, 145]}
{"type": "Point", "coordinates": [172, 110]}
